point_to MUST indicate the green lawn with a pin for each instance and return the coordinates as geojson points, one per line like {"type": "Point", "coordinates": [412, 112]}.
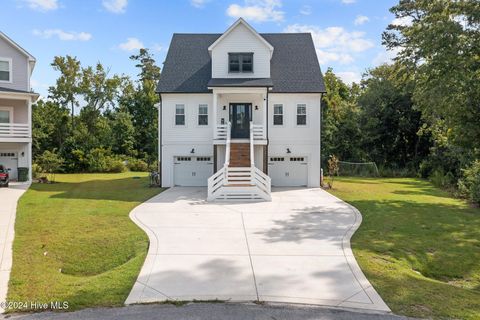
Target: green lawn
{"type": "Point", "coordinates": [419, 247]}
{"type": "Point", "coordinates": [75, 242]}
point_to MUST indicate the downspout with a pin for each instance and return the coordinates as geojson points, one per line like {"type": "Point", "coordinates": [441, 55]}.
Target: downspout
{"type": "Point", "coordinates": [265, 156]}
{"type": "Point", "coordinates": [160, 142]}
{"type": "Point", "coordinates": [320, 141]}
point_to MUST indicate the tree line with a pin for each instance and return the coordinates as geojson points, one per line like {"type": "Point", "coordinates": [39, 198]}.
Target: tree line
{"type": "Point", "coordinates": [420, 115]}
{"type": "Point", "coordinates": [417, 116]}
{"type": "Point", "coordinates": [96, 122]}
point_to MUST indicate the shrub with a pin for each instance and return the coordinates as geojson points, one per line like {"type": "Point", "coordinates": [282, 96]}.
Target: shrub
{"type": "Point", "coordinates": [469, 185]}
{"type": "Point", "coordinates": [51, 163]}
{"type": "Point", "coordinates": [137, 165]}
{"type": "Point", "coordinates": [36, 171]}
{"type": "Point", "coordinates": [100, 160]}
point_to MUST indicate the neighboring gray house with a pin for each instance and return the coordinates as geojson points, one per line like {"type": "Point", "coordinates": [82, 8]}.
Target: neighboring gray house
{"type": "Point", "coordinates": [16, 98]}
{"type": "Point", "coordinates": [240, 112]}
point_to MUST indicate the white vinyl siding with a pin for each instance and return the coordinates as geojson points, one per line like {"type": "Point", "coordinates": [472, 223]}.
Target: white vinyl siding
{"type": "Point", "coordinates": [301, 114]}
{"type": "Point", "coordinates": [5, 70]}
{"type": "Point", "coordinates": [19, 70]}
{"type": "Point", "coordinates": [238, 41]}
{"type": "Point", "coordinates": [180, 115]}
{"type": "Point", "coordinates": [278, 114]}
{"type": "Point", "coordinates": [203, 115]}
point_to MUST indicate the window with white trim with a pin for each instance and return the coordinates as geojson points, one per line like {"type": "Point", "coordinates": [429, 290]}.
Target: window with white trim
{"type": "Point", "coordinates": [6, 114]}
{"type": "Point", "coordinates": [240, 62]}
{"type": "Point", "coordinates": [278, 114]}
{"type": "Point", "coordinates": [5, 70]}
{"type": "Point", "coordinates": [203, 115]}
{"type": "Point", "coordinates": [179, 114]}
{"type": "Point", "coordinates": [301, 114]}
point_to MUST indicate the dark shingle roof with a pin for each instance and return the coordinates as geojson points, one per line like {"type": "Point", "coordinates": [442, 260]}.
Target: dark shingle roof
{"type": "Point", "coordinates": [294, 65]}
{"type": "Point", "coordinates": [240, 82]}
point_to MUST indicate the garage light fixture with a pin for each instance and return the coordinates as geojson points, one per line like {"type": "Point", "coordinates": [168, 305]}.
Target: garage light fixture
{"type": "Point", "coordinates": [224, 107]}
{"type": "Point", "coordinates": [192, 151]}
{"type": "Point", "coordinates": [288, 150]}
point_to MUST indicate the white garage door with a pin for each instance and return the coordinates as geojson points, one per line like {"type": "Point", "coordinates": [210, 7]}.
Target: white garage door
{"type": "Point", "coordinates": [288, 171]}
{"type": "Point", "coordinates": [192, 171]}
{"type": "Point", "coordinates": [10, 160]}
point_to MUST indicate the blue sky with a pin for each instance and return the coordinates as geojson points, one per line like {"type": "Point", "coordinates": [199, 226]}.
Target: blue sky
{"type": "Point", "coordinates": [347, 33]}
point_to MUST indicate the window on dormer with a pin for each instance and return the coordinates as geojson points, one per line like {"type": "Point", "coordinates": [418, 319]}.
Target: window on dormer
{"type": "Point", "coordinates": [240, 62]}
{"type": "Point", "coordinates": [5, 70]}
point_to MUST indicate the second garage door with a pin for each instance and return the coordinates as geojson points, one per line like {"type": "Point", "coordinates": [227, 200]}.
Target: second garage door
{"type": "Point", "coordinates": [192, 171]}
{"type": "Point", "coordinates": [10, 160]}
{"type": "Point", "coordinates": [288, 171]}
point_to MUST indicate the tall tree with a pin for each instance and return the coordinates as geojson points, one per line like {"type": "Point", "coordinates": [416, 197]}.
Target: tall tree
{"type": "Point", "coordinates": [440, 41]}
{"type": "Point", "coordinates": [67, 87]}
{"type": "Point", "coordinates": [139, 100]}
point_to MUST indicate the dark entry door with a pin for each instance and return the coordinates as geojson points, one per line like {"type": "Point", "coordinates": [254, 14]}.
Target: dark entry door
{"type": "Point", "coordinates": [240, 118]}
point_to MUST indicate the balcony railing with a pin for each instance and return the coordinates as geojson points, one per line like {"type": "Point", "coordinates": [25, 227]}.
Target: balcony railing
{"type": "Point", "coordinates": [14, 130]}
{"type": "Point", "coordinates": [258, 132]}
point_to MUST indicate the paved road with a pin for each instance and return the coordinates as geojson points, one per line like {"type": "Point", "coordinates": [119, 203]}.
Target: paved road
{"type": "Point", "coordinates": [8, 207]}
{"type": "Point", "coordinates": [214, 311]}
{"type": "Point", "coordinates": [294, 249]}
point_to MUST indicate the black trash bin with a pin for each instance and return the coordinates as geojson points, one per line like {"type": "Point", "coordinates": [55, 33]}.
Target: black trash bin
{"type": "Point", "coordinates": [22, 174]}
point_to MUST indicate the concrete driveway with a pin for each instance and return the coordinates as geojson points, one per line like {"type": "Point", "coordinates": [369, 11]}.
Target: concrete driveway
{"type": "Point", "coordinates": [295, 249]}
{"type": "Point", "coordinates": [8, 208]}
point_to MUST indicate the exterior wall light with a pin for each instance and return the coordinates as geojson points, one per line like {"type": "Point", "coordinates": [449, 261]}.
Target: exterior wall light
{"type": "Point", "coordinates": [288, 150]}
{"type": "Point", "coordinates": [192, 151]}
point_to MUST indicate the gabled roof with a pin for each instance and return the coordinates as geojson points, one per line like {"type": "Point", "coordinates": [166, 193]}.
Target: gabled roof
{"type": "Point", "coordinates": [249, 28]}
{"type": "Point", "coordinates": [294, 66]}
{"type": "Point", "coordinates": [31, 59]}
{"type": "Point", "coordinates": [16, 46]}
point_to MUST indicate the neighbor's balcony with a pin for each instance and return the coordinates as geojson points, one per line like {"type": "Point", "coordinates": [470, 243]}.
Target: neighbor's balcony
{"type": "Point", "coordinates": [14, 130]}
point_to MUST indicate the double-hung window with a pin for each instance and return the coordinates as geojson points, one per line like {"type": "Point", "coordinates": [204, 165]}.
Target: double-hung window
{"type": "Point", "coordinates": [203, 115]}
{"type": "Point", "coordinates": [179, 114]}
{"type": "Point", "coordinates": [6, 114]}
{"type": "Point", "coordinates": [301, 114]}
{"type": "Point", "coordinates": [240, 62]}
{"type": "Point", "coordinates": [278, 114]}
{"type": "Point", "coordinates": [5, 70]}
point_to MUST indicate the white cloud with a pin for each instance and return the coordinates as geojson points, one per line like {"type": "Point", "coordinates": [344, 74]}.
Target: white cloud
{"type": "Point", "coordinates": [403, 22]}
{"type": "Point", "coordinates": [157, 47]}
{"type": "Point", "coordinates": [115, 6]}
{"type": "Point", "coordinates": [359, 20]}
{"type": "Point", "coordinates": [131, 44]}
{"type": "Point", "coordinates": [349, 76]}
{"type": "Point", "coordinates": [385, 56]}
{"type": "Point", "coordinates": [42, 5]}
{"type": "Point", "coordinates": [334, 43]}
{"type": "Point", "coordinates": [306, 10]}
{"type": "Point", "coordinates": [63, 35]}
{"type": "Point", "coordinates": [257, 10]}
{"type": "Point", "coordinates": [199, 3]}
{"type": "Point", "coordinates": [348, 1]}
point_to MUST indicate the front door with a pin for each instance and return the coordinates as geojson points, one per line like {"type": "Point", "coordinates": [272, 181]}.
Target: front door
{"type": "Point", "coordinates": [240, 119]}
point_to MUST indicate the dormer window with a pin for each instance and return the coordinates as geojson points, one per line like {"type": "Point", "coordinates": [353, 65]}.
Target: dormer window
{"type": "Point", "coordinates": [5, 70]}
{"type": "Point", "coordinates": [240, 62]}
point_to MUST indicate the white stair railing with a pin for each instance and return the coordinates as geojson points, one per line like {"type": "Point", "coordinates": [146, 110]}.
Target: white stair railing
{"type": "Point", "coordinates": [252, 160]}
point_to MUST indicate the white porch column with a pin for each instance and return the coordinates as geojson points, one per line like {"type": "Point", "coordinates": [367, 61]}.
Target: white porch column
{"type": "Point", "coordinates": [214, 115]}
{"type": "Point", "coordinates": [265, 120]}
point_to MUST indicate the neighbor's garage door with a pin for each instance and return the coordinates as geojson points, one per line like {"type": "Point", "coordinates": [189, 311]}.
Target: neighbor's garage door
{"type": "Point", "coordinates": [10, 161]}
{"type": "Point", "coordinates": [192, 171]}
{"type": "Point", "coordinates": [288, 171]}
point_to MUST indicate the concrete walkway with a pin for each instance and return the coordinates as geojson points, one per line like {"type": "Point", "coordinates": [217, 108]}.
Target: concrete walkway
{"type": "Point", "coordinates": [295, 249]}
{"type": "Point", "coordinates": [8, 208]}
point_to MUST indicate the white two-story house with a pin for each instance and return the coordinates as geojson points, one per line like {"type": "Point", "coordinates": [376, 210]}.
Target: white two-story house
{"type": "Point", "coordinates": [16, 98]}
{"type": "Point", "coordinates": [240, 112]}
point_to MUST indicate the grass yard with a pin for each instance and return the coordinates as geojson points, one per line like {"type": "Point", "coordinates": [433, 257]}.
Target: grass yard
{"type": "Point", "coordinates": [418, 246]}
{"type": "Point", "coordinates": [75, 242]}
